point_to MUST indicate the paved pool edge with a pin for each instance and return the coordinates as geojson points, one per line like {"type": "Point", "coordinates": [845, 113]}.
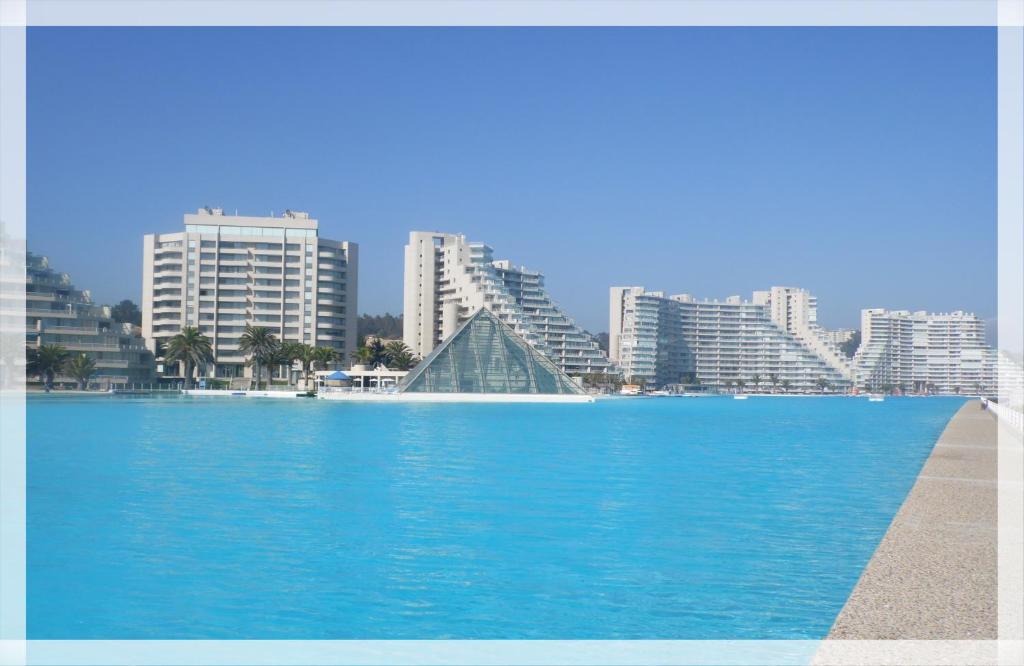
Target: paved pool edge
{"type": "Point", "coordinates": [933, 576]}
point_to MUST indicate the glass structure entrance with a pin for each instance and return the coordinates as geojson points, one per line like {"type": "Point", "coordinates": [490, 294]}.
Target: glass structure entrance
{"type": "Point", "coordinates": [486, 356]}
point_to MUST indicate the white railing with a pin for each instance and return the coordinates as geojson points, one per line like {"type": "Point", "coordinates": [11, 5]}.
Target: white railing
{"type": "Point", "coordinates": [357, 389]}
{"type": "Point", "coordinates": [1008, 415]}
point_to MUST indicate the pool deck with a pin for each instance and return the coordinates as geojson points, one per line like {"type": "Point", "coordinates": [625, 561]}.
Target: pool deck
{"type": "Point", "coordinates": [933, 575]}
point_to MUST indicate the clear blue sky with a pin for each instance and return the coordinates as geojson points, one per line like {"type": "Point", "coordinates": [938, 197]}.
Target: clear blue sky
{"type": "Point", "coordinates": [858, 163]}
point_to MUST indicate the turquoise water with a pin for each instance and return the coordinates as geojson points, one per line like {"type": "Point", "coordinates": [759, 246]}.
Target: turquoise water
{"type": "Point", "coordinates": [645, 518]}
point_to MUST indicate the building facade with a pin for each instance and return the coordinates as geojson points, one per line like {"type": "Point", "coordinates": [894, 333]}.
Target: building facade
{"type": "Point", "coordinates": [718, 345]}
{"type": "Point", "coordinates": [921, 351]}
{"type": "Point", "coordinates": [795, 311]}
{"type": "Point", "coordinates": [448, 278]}
{"type": "Point", "coordinates": [224, 272]}
{"type": "Point", "coordinates": [57, 313]}
{"type": "Point", "coordinates": [840, 336]}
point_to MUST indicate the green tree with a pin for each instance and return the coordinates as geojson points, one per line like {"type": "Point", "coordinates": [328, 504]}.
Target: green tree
{"type": "Point", "coordinates": [126, 312]}
{"type": "Point", "coordinates": [82, 368]}
{"type": "Point", "coordinates": [850, 346]}
{"type": "Point", "coordinates": [289, 353]}
{"type": "Point", "coordinates": [261, 346]}
{"type": "Point", "coordinates": [756, 381]}
{"type": "Point", "coordinates": [404, 360]}
{"type": "Point", "coordinates": [324, 356]}
{"type": "Point", "coordinates": [306, 356]}
{"type": "Point", "coordinates": [378, 353]}
{"type": "Point", "coordinates": [362, 355]}
{"type": "Point", "coordinates": [48, 361]}
{"type": "Point", "coordinates": [785, 384]}
{"type": "Point", "coordinates": [191, 348]}
{"type": "Point", "coordinates": [822, 384]}
{"type": "Point", "coordinates": [395, 347]}
{"type": "Point", "coordinates": [740, 383]}
{"type": "Point", "coordinates": [384, 326]}
{"type": "Point", "coordinates": [371, 355]}
{"type": "Point", "coordinates": [773, 379]}
{"type": "Point", "coordinates": [399, 356]}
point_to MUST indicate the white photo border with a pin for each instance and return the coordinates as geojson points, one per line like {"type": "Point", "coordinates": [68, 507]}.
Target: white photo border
{"type": "Point", "coordinates": [1007, 16]}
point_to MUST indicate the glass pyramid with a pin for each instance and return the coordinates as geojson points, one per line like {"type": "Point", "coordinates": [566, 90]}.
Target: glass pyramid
{"type": "Point", "coordinates": [486, 356]}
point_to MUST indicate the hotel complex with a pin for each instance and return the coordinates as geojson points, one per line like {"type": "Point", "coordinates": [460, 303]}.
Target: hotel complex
{"type": "Point", "coordinates": [59, 314]}
{"type": "Point", "coordinates": [771, 340]}
{"type": "Point", "coordinates": [448, 278]}
{"type": "Point", "coordinates": [917, 351]}
{"type": "Point", "coordinates": [225, 272]}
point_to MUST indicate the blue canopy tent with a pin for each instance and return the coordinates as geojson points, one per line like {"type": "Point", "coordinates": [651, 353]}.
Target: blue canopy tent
{"type": "Point", "coordinates": [337, 376]}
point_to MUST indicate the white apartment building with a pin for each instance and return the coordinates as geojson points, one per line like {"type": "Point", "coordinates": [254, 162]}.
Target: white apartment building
{"type": "Point", "coordinates": [664, 340]}
{"type": "Point", "coordinates": [57, 313]}
{"type": "Point", "coordinates": [921, 351]}
{"type": "Point", "coordinates": [840, 336]}
{"type": "Point", "coordinates": [448, 278]}
{"type": "Point", "coordinates": [224, 272]}
{"type": "Point", "coordinates": [796, 312]}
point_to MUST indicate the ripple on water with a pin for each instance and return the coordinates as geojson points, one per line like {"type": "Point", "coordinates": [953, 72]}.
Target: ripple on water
{"type": "Point", "coordinates": [671, 518]}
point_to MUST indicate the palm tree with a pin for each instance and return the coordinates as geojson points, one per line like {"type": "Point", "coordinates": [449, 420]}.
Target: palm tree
{"type": "Point", "coordinates": [191, 348]}
{"type": "Point", "coordinates": [396, 347]}
{"type": "Point", "coordinates": [324, 356]}
{"type": "Point", "coordinates": [286, 356]}
{"type": "Point", "coordinates": [403, 360]}
{"type": "Point", "coordinates": [47, 362]}
{"type": "Point", "coordinates": [82, 368]}
{"type": "Point", "coordinates": [362, 355]}
{"type": "Point", "coordinates": [400, 357]}
{"type": "Point", "coordinates": [773, 379]}
{"type": "Point", "coordinates": [291, 352]}
{"type": "Point", "coordinates": [785, 385]}
{"type": "Point", "coordinates": [822, 384]}
{"type": "Point", "coordinates": [756, 381]}
{"type": "Point", "coordinates": [306, 356]}
{"type": "Point", "coordinates": [261, 346]}
{"type": "Point", "coordinates": [739, 385]}
{"type": "Point", "coordinates": [378, 353]}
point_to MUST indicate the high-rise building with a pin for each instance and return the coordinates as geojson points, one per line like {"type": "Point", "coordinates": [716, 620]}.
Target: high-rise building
{"type": "Point", "coordinates": [796, 312]}
{"type": "Point", "coordinates": [448, 278]}
{"type": "Point", "coordinates": [665, 340]}
{"type": "Point", "coordinates": [921, 351]}
{"type": "Point", "coordinates": [224, 272]}
{"type": "Point", "coordinates": [57, 313]}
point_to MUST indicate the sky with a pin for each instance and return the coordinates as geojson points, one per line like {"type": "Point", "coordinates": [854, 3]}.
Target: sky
{"type": "Point", "coordinates": [858, 163]}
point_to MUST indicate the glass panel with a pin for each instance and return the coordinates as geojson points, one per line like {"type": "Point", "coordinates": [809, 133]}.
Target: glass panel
{"type": "Point", "coordinates": [487, 357]}
{"type": "Point", "coordinates": [520, 376]}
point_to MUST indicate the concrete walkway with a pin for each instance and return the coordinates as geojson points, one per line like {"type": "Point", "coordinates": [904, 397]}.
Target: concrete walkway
{"type": "Point", "coordinates": [934, 574]}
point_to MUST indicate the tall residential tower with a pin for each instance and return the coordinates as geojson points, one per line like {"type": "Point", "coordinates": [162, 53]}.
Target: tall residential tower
{"type": "Point", "coordinates": [448, 278]}
{"type": "Point", "coordinates": [224, 272]}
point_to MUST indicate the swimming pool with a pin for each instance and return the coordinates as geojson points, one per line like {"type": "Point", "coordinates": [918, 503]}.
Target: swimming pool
{"type": "Point", "coordinates": [662, 518]}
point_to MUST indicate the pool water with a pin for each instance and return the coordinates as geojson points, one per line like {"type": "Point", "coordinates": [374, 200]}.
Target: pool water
{"type": "Point", "coordinates": [666, 518]}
